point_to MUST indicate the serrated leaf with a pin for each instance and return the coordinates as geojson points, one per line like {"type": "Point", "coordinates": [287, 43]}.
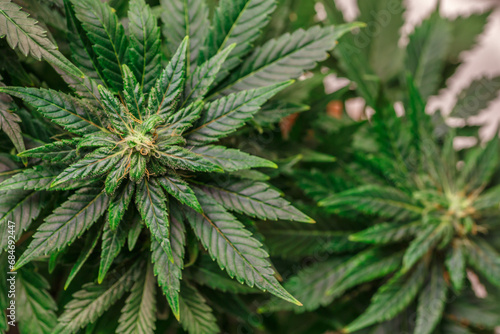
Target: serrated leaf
{"type": "Point", "coordinates": [390, 299]}
{"type": "Point", "coordinates": [431, 302]}
{"type": "Point", "coordinates": [117, 175]}
{"type": "Point", "coordinates": [207, 273]}
{"type": "Point", "coordinates": [273, 112]}
{"type": "Point", "coordinates": [120, 204]}
{"type": "Point", "coordinates": [286, 58]}
{"type": "Point", "coordinates": [476, 97]}
{"type": "Point", "coordinates": [236, 22]}
{"type": "Point", "coordinates": [134, 232]}
{"type": "Point", "coordinates": [62, 151]}
{"type": "Point", "coordinates": [372, 265]}
{"type": "Point", "coordinates": [485, 260]}
{"type": "Point", "coordinates": [180, 158]}
{"type": "Point", "coordinates": [112, 243]}
{"type": "Point", "coordinates": [183, 18]}
{"type": "Point", "coordinates": [384, 201]}
{"type": "Point", "coordinates": [20, 207]}
{"type": "Point", "coordinates": [386, 233]}
{"type": "Point", "coordinates": [423, 243]}
{"type": "Point", "coordinates": [66, 223]}
{"type": "Point", "coordinates": [465, 33]}
{"type": "Point", "coordinates": [35, 307]}
{"type": "Point", "coordinates": [180, 189]}
{"type": "Point", "coordinates": [310, 285]}
{"type": "Point", "coordinates": [255, 199]}
{"type": "Point", "coordinates": [23, 33]}
{"type": "Point", "coordinates": [89, 245]}
{"type": "Point", "coordinates": [426, 53]}
{"type": "Point", "coordinates": [181, 120]}
{"type": "Point", "coordinates": [145, 44]}
{"type": "Point", "coordinates": [115, 111]}
{"type": "Point", "coordinates": [196, 316]}
{"type": "Point", "coordinates": [231, 159]}
{"type": "Point", "coordinates": [201, 80]}
{"type": "Point", "coordinates": [455, 265]}
{"type": "Point", "coordinates": [62, 109]}
{"type": "Point", "coordinates": [151, 203]}
{"type": "Point", "coordinates": [168, 88]}
{"type": "Point", "coordinates": [133, 93]}
{"type": "Point", "coordinates": [94, 164]}
{"type": "Point", "coordinates": [9, 124]}
{"type": "Point", "coordinates": [227, 114]}
{"type": "Point", "coordinates": [296, 240]}
{"type": "Point", "coordinates": [93, 300]}
{"type": "Point", "coordinates": [169, 273]}
{"type": "Point", "coordinates": [480, 164]}
{"type": "Point", "coordinates": [36, 178]}
{"type": "Point", "coordinates": [137, 167]}
{"type": "Point", "coordinates": [107, 35]}
{"type": "Point", "coordinates": [236, 251]}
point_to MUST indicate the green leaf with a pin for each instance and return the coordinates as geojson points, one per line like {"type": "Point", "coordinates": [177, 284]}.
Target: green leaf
{"type": "Point", "coordinates": [151, 203]}
{"type": "Point", "coordinates": [137, 167]}
{"type": "Point", "coordinates": [465, 33]}
{"type": "Point", "coordinates": [63, 151]}
{"type": "Point", "coordinates": [384, 201]}
{"type": "Point", "coordinates": [423, 243]}
{"type": "Point", "coordinates": [476, 97]}
{"type": "Point", "coordinates": [115, 111]}
{"type": "Point", "coordinates": [426, 53]}
{"type": "Point", "coordinates": [183, 18]}
{"type": "Point", "coordinates": [20, 207]}
{"type": "Point", "coordinates": [296, 240]}
{"type": "Point", "coordinates": [145, 44]}
{"type": "Point", "coordinates": [133, 93]}
{"type": "Point", "coordinates": [168, 88]}
{"type": "Point", "coordinates": [112, 243]}
{"type": "Point", "coordinates": [237, 22]}
{"type": "Point", "coordinates": [119, 205]}
{"type": "Point", "coordinates": [62, 109]}
{"type": "Point", "coordinates": [94, 164]}
{"type": "Point", "coordinates": [181, 120]}
{"type": "Point", "coordinates": [201, 80]}
{"type": "Point", "coordinates": [488, 199]}
{"type": "Point", "coordinates": [135, 231]}
{"type": "Point", "coordinates": [207, 273]}
{"type": "Point", "coordinates": [89, 245]}
{"type": "Point", "coordinates": [273, 112]}
{"type": "Point", "coordinates": [9, 125]}
{"type": "Point", "coordinates": [310, 285]}
{"type": "Point", "coordinates": [485, 260]}
{"type": "Point", "coordinates": [180, 189]}
{"type": "Point", "coordinates": [35, 308]}
{"type": "Point", "coordinates": [105, 31]}
{"type": "Point", "coordinates": [231, 159]}
{"type": "Point", "coordinates": [23, 33]}
{"type": "Point", "coordinates": [386, 233]}
{"type": "Point", "coordinates": [93, 300]}
{"type": "Point", "coordinates": [455, 264]}
{"type": "Point", "coordinates": [66, 223]}
{"type": "Point", "coordinates": [117, 174]}
{"type": "Point", "coordinates": [36, 178]}
{"type": "Point", "coordinates": [480, 164]}
{"type": "Point", "coordinates": [139, 313]}
{"type": "Point", "coordinates": [286, 58]}
{"type": "Point", "coordinates": [196, 316]}
{"type": "Point", "coordinates": [180, 158]}
{"type": "Point", "coordinates": [236, 251]}
{"type": "Point", "coordinates": [255, 199]}
{"type": "Point", "coordinates": [390, 299]}
{"type": "Point", "coordinates": [226, 115]}
{"type": "Point", "coordinates": [431, 302]}
{"type": "Point", "coordinates": [371, 266]}
{"type": "Point", "coordinates": [169, 273]}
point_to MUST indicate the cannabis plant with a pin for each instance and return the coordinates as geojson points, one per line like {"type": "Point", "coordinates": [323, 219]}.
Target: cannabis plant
{"type": "Point", "coordinates": [134, 153]}
{"type": "Point", "coordinates": [405, 223]}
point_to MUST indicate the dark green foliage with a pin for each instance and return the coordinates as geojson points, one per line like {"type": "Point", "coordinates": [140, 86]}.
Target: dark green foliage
{"type": "Point", "coordinates": [135, 164]}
